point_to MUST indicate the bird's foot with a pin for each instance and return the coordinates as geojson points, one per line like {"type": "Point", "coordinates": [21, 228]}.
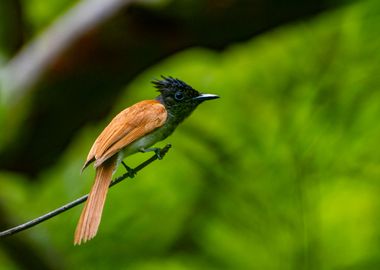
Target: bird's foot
{"type": "Point", "coordinates": [131, 172]}
{"type": "Point", "coordinates": [156, 150]}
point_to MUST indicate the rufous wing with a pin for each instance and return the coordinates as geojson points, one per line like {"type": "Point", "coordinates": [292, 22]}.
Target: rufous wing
{"type": "Point", "coordinates": [128, 126]}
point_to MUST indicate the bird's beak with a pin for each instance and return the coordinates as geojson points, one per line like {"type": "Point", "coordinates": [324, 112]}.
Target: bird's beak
{"type": "Point", "coordinates": [203, 97]}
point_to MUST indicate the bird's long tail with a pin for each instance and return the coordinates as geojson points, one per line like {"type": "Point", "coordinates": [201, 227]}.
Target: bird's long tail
{"type": "Point", "coordinates": [92, 212]}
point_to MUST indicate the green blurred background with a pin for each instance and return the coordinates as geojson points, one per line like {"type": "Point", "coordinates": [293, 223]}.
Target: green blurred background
{"type": "Point", "coordinates": [282, 172]}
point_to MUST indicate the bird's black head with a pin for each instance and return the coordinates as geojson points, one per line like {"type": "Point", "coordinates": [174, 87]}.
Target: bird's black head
{"type": "Point", "coordinates": [179, 98]}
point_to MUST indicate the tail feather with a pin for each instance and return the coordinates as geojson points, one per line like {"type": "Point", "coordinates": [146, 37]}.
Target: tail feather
{"type": "Point", "coordinates": [89, 220]}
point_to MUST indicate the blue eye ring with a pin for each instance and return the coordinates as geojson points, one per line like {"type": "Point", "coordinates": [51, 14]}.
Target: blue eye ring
{"type": "Point", "coordinates": [178, 95]}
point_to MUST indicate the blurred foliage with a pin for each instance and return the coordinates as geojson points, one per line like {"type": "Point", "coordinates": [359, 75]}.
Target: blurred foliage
{"type": "Point", "coordinates": [282, 172]}
{"type": "Point", "coordinates": [106, 57]}
{"type": "Point", "coordinates": [41, 13]}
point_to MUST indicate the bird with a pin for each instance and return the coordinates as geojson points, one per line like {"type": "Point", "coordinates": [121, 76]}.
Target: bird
{"type": "Point", "coordinates": [134, 130]}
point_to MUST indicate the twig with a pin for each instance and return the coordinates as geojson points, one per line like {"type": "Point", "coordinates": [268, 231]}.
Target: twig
{"type": "Point", "coordinates": [82, 199]}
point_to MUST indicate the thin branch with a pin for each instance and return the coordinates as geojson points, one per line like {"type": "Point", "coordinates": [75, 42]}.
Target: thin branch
{"type": "Point", "coordinates": [160, 154]}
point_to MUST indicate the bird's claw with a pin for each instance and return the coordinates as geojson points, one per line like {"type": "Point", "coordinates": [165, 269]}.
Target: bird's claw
{"type": "Point", "coordinates": [131, 172]}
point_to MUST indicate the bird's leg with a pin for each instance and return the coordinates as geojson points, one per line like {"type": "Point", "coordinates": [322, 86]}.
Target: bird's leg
{"type": "Point", "coordinates": [156, 150]}
{"type": "Point", "coordinates": [130, 171]}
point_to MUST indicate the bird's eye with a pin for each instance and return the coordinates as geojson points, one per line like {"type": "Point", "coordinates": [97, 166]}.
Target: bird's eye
{"type": "Point", "coordinates": [179, 95]}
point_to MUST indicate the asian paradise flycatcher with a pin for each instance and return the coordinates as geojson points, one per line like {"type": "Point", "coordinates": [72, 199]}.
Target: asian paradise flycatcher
{"type": "Point", "coordinates": [134, 130]}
